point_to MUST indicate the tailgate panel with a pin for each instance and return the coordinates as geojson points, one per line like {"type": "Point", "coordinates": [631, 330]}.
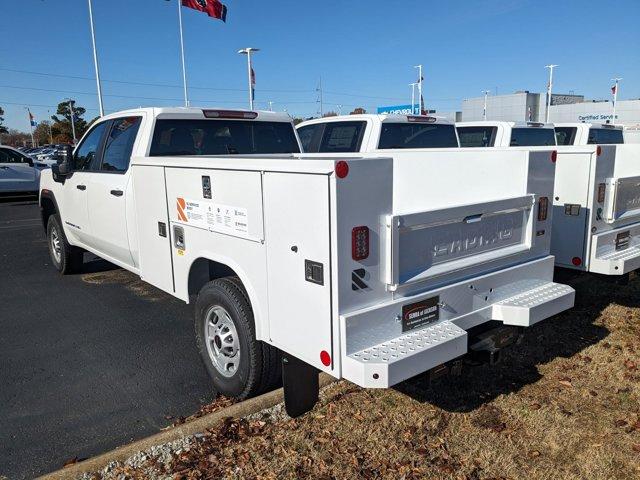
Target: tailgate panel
{"type": "Point", "coordinates": [623, 199]}
{"type": "Point", "coordinates": [441, 241]}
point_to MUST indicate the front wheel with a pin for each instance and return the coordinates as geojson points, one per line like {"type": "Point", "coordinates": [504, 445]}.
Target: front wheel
{"type": "Point", "coordinates": [239, 365]}
{"type": "Point", "coordinates": [65, 257]}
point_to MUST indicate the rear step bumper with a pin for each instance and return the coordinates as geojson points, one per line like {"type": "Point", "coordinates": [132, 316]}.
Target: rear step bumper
{"type": "Point", "coordinates": [378, 354]}
{"type": "Point", "coordinates": [607, 260]}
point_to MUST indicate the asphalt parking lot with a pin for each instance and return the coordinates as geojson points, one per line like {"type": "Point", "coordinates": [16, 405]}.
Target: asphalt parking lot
{"type": "Point", "coordinates": [88, 362]}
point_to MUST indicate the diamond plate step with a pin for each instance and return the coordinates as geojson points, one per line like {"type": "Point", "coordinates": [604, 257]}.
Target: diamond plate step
{"type": "Point", "coordinates": [395, 360]}
{"type": "Point", "coordinates": [617, 262]}
{"type": "Point", "coordinates": [531, 306]}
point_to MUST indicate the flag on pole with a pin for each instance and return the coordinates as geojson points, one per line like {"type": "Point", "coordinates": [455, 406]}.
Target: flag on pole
{"type": "Point", "coordinates": [613, 89]}
{"type": "Point", "coordinates": [253, 84]}
{"type": "Point", "coordinates": [32, 120]}
{"type": "Point", "coordinates": [213, 8]}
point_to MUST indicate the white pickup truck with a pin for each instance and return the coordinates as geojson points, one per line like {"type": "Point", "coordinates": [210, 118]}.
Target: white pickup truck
{"type": "Point", "coordinates": [588, 134]}
{"type": "Point", "coordinates": [371, 133]}
{"type": "Point", "coordinates": [487, 133]}
{"type": "Point", "coordinates": [368, 269]}
{"type": "Point", "coordinates": [596, 219]}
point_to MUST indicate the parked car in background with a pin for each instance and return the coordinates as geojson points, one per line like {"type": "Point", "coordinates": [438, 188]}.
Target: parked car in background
{"type": "Point", "coordinates": [18, 172]}
{"type": "Point", "coordinates": [485, 133]}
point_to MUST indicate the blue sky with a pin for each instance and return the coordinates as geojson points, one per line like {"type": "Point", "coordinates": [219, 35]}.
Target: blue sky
{"type": "Point", "coordinates": [363, 49]}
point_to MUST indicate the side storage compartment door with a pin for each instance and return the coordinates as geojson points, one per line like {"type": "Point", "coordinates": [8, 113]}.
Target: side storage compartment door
{"type": "Point", "coordinates": [570, 207]}
{"type": "Point", "coordinates": [152, 217]}
{"type": "Point", "coordinates": [297, 236]}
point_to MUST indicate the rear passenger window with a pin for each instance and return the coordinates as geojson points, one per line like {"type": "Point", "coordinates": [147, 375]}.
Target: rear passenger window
{"type": "Point", "coordinates": [342, 137]}
{"type": "Point", "coordinates": [88, 149]}
{"type": "Point", "coordinates": [566, 135]}
{"type": "Point", "coordinates": [417, 135]}
{"type": "Point", "coordinates": [532, 137]}
{"type": "Point", "coordinates": [307, 136]}
{"type": "Point", "coordinates": [477, 136]}
{"type": "Point", "coordinates": [612, 136]}
{"type": "Point", "coordinates": [119, 144]}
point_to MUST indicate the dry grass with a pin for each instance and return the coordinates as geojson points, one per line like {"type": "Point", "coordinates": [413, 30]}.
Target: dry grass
{"type": "Point", "coordinates": [563, 404]}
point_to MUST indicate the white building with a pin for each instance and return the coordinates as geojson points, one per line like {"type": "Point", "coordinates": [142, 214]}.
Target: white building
{"type": "Point", "coordinates": [627, 112]}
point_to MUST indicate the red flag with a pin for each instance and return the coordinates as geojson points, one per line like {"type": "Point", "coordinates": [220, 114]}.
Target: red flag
{"type": "Point", "coordinates": [613, 89]}
{"type": "Point", "coordinates": [213, 8]}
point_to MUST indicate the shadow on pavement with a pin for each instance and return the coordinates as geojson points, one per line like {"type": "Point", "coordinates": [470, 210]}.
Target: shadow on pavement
{"type": "Point", "coordinates": [564, 335]}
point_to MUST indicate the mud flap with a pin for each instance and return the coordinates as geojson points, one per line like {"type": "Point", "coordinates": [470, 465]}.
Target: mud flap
{"type": "Point", "coordinates": [301, 385]}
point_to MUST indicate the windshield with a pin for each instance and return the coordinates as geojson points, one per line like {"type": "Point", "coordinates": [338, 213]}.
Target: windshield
{"type": "Point", "coordinates": [611, 136]}
{"type": "Point", "coordinates": [417, 135]}
{"type": "Point", "coordinates": [222, 137]}
{"type": "Point", "coordinates": [566, 135]}
{"type": "Point", "coordinates": [532, 137]}
{"type": "Point", "coordinates": [477, 136]}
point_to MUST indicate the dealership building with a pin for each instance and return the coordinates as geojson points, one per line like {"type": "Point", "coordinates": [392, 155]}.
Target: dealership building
{"type": "Point", "coordinates": [528, 106]}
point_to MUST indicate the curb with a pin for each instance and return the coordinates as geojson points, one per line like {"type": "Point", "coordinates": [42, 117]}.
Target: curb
{"type": "Point", "coordinates": [242, 409]}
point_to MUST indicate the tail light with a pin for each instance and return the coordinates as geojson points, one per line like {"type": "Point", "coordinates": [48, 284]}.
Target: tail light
{"type": "Point", "coordinates": [577, 261]}
{"type": "Point", "coordinates": [360, 243]}
{"type": "Point", "coordinates": [599, 150]}
{"type": "Point", "coordinates": [554, 156]}
{"type": "Point", "coordinates": [543, 208]}
{"type": "Point", "coordinates": [602, 188]}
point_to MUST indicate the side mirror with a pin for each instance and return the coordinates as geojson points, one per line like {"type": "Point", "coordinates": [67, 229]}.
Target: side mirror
{"type": "Point", "coordinates": [63, 169]}
{"type": "Point", "coordinates": [29, 161]}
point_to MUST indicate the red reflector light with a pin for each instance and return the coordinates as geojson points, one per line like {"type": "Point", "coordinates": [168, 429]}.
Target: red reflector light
{"type": "Point", "coordinates": [554, 156]}
{"type": "Point", "coordinates": [602, 188]}
{"type": "Point", "coordinates": [420, 119]}
{"type": "Point", "coordinates": [543, 208]}
{"type": "Point", "coordinates": [229, 114]}
{"type": "Point", "coordinates": [360, 243]}
{"type": "Point", "coordinates": [577, 261]}
{"type": "Point", "coordinates": [342, 169]}
{"type": "Point", "coordinates": [599, 150]}
{"type": "Point", "coordinates": [325, 358]}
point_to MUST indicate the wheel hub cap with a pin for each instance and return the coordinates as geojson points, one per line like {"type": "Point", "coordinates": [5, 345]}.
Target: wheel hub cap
{"type": "Point", "coordinates": [56, 248]}
{"type": "Point", "coordinates": [222, 341]}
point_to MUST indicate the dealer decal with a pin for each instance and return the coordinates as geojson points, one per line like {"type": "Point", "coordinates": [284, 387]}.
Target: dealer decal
{"type": "Point", "coordinates": [416, 315]}
{"type": "Point", "coordinates": [213, 216]}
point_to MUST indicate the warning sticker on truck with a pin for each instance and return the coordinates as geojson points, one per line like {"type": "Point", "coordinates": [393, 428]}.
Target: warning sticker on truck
{"type": "Point", "coordinates": [416, 315]}
{"type": "Point", "coordinates": [213, 216]}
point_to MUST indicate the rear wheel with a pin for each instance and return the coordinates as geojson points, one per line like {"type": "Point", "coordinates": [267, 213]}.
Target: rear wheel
{"type": "Point", "coordinates": [65, 257]}
{"type": "Point", "coordinates": [239, 365]}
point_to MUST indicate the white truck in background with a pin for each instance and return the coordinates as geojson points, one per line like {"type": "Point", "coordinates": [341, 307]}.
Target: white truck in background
{"type": "Point", "coordinates": [596, 201]}
{"type": "Point", "coordinates": [370, 133]}
{"type": "Point", "coordinates": [487, 133]}
{"type": "Point", "coordinates": [588, 134]}
{"type": "Point", "coordinates": [369, 269]}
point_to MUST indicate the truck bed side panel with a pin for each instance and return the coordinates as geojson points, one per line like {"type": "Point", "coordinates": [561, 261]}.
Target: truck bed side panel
{"type": "Point", "coordinates": [151, 213]}
{"type": "Point", "coordinates": [297, 238]}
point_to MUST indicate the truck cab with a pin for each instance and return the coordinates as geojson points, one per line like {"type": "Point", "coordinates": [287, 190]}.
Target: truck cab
{"type": "Point", "coordinates": [487, 133]}
{"type": "Point", "coordinates": [588, 134]}
{"type": "Point", "coordinates": [375, 133]}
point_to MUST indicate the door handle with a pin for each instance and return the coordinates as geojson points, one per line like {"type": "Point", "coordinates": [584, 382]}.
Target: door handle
{"type": "Point", "coordinates": [81, 187]}
{"type": "Point", "coordinates": [117, 193]}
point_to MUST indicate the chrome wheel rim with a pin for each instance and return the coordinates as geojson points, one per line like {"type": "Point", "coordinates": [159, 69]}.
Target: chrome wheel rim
{"type": "Point", "coordinates": [56, 247]}
{"type": "Point", "coordinates": [221, 337]}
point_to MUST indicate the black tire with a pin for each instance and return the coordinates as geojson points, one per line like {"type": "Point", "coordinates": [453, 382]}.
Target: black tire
{"type": "Point", "coordinates": [68, 259]}
{"type": "Point", "coordinates": [258, 367]}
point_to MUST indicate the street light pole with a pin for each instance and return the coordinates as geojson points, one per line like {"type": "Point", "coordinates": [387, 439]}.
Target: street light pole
{"type": "Point", "coordinates": [549, 89]}
{"type": "Point", "coordinates": [413, 97]}
{"type": "Point", "coordinates": [95, 62]}
{"type": "Point", "coordinates": [615, 98]}
{"type": "Point", "coordinates": [270, 106]}
{"type": "Point", "coordinates": [73, 122]}
{"type": "Point", "coordinates": [484, 110]}
{"type": "Point", "coordinates": [419, 67]}
{"type": "Point", "coordinates": [247, 52]}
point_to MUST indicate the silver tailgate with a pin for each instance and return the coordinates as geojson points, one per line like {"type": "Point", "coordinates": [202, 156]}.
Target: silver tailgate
{"type": "Point", "coordinates": [432, 243]}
